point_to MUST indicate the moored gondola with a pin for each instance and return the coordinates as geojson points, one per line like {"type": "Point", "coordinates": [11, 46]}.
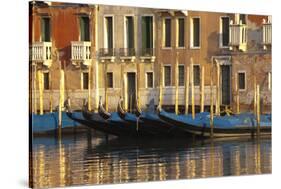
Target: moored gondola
{"type": "Point", "coordinates": [223, 126]}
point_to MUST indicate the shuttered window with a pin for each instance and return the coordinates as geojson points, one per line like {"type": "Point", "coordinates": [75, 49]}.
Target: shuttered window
{"type": "Point", "coordinates": [85, 78]}
{"type": "Point", "coordinates": [196, 32]}
{"type": "Point", "coordinates": [84, 28]}
{"type": "Point", "coordinates": [181, 75]}
{"type": "Point", "coordinates": [242, 80]}
{"type": "Point", "coordinates": [167, 75]}
{"type": "Point", "coordinates": [167, 32]}
{"type": "Point", "coordinates": [225, 31]}
{"type": "Point", "coordinates": [46, 29]}
{"type": "Point", "coordinates": [46, 80]}
{"type": "Point", "coordinates": [109, 80]}
{"type": "Point", "coordinates": [149, 79]}
{"type": "Point", "coordinates": [181, 32]}
{"type": "Point", "coordinates": [196, 75]}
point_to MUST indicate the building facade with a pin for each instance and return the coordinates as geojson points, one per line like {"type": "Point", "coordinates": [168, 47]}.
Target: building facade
{"type": "Point", "coordinates": [115, 51]}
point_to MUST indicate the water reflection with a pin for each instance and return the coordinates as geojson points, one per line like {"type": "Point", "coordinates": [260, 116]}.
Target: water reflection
{"type": "Point", "coordinates": [90, 159]}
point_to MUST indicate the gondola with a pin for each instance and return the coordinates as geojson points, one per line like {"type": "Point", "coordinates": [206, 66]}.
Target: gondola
{"type": "Point", "coordinates": [223, 126]}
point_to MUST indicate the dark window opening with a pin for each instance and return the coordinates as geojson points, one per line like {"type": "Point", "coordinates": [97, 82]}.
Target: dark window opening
{"type": "Point", "coordinates": [46, 81]}
{"type": "Point", "coordinates": [109, 80]}
{"type": "Point", "coordinates": [167, 75]}
{"type": "Point", "coordinates": [130, 32]}
{"type": "Point", "coordinates": [147, 32]}
{"type": "Point", "coordinates": [242, 18]}
{"type": "Point", "coordinates": [109, 32]}
{"type": "Point", "coordinates": [196, 32]}
{"type": "Point", "coordinates": [46, 29]}
{"type": "Point", "coordinates": [181, 32]}
{"type": "Point", "coordinates": [167, 32]}
{"type": "Point", "coordinates": [225, 31]}
{"type": "Point", "coordinates": [85, 80]}
{"type": "Point", "coordinates": [196, 75]}
{"type": "Point", "coordinates": [149, 79]}
{"type": "Point", "coordinates": [241, 81]}
{"type": "Point", "coordinates": [181, 75]}
{"type": "Point", "coordinates": [84, 28]}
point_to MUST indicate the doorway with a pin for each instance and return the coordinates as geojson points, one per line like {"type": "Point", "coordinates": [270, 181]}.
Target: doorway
{"type": "Point", "coordinates": [225, 84]}
{"type": "Point", "coordinates": [131, 76]}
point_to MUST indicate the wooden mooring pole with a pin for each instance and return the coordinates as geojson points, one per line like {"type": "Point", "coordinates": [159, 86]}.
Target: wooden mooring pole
{"type": "Point", "coordinates": [125, 91]}
{"type": "Point", "coordinates": [258, 109]}
{"type": "Point", "coordinates": [105, 87]}
{"type": "Point", "coordinates": [237, 95]}
{"type": "Point", "coordinates": [89, 88]}
{"type": "Point", "coordinates": [177, 84]}
{"type": "Point", "coordinates": [202, 91]}
{"type": "Point", "coordinates": [218, 90]}
{"type": "Point", "coordinates": [61, 97]}
{"type": "Point", "coordinates": [192, 88]}
{"type": "Point", "coordinates": [186, 89]}
{"type": "Point", "coordinates": [138, 85]}
{"type": "Point", "coordinates": [211, 107]}
{"type": "Point", "coordinates": [160, 85]}
{"type": "Point", "coordinates": [40, 86]}
{"type": "Point", "coordinates": [255, 95]}
{"type": "Point", "coordinates": [51, 92]}
{"type": "Point", "coordinates": [35, 88]}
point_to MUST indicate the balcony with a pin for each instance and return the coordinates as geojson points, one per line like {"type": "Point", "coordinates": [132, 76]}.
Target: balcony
{"type": "Point", "coordinates": [41, 52]}
{"type": "Point", "coordinates": [266, 34]}
{"type": "Point", "coordinates": [147, 54]}
{"type": "Point", "coordinates": [107, 54]}
{"type": "Point", "coordinates": [238, 36]}
{"type": "Point", "coordinates": [127, 54]}
{"type": "Point", "coordinates": [81, 52]}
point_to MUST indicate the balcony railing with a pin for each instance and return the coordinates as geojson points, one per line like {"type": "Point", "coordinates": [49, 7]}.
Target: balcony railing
{"type": "Point", "coordinates": [41, 52]}
{"type": "Point", "coordinates": [238, 36]}
{"type": "Point", "coordinates": [127, 52]}
{"type": "Point", "coordinates": [81, 52]}
{"type": "Point", "coordinates": [266, 33]}
{"type": "Point", "coordinates": [147, 53]}
{"type": "Point", "coordinates": [107, 54]}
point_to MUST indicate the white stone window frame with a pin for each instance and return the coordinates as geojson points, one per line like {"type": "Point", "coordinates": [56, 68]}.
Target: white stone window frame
{"type": "Point", "coordinates": [105, 37]}
{"type": "Point", "coordinates": [191, 33]}
{"type": "Point", "coordinates": [164, 32]}
{"type": "Point", "coordinates": [220, 33]}
{"type": "Point", "coordinates": [169, 86]}
{"type": "Point", "coordinates": [245, 73]}
{"type": "Point", "coordinates": [124, 33]}
{"type": "Point", "coordinates": [177, 32]}
{"type": "Point", "coordinates": [150, 71]}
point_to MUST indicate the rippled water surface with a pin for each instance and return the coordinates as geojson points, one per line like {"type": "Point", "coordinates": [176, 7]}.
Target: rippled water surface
{"type": "Point", "coordinates": [90, 158]}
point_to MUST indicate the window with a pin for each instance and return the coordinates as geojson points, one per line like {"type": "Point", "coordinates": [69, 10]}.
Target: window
{"type": "Point", "coordinates": [242, 18]}
{"type": "Point", "coordinates": [167, 32]}
{"type": "Point", "coordinates": [108, 32]}
{"type": "Point", "coordinates": [84, 28]}
{"type": "Point", "coordinates": [147, 32]}
{"type": "Point", "coordinates": [167, 75]}
{"type": "Point", "coordinates": [85, 79]}
{"type": "Point", "coordinates": [224, 32]}
{"type": "Point", "coordinates": [180, 32]}
{"type": "Point", "coordinates": [109, 80]}
{"type": "Point", "coordinates": [45, 29]}
{"type": "Point", "coordinates": [181, 75]}
{"type": "Point", "coordinates": [129, 32]}
{"type": "Point", "coordinates": [149, 79]}
{"type": "Point", "coordinates": [46, 80]}
{"type": "Point", "coordinates": [242, 80]}
{"type": "Point", "coordinates": [195, 32]}
{"type": "Point", "coordinates": [196, 75]}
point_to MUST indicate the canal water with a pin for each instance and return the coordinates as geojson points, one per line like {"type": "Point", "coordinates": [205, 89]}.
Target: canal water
{"type": "Point", "coordinates": [90, 158]}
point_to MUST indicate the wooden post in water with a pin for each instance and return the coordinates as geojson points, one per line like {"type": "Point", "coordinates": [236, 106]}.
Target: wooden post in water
{"type": "Point", "coordinates": [177, 84]}
{"type": "Point", "coordinates": [192, 88]}
{"type": "Point", "coordinates": [138, 85]}
{"type": "Point", "coordinates": [96, 62]}
{"type": "Point", "coordinates": [211, 106]}
{"type": "Point", "coordinates": [202, 91]}
{"type": "Point", "coordinates": [51, 92]}
{"type": "Point", "coordinates": [186, 89]}
{"type": "Point", "coordinates": [35, 89]}
{"type": "Point", "coordinates": [40, 86]}
{"type": "Point", "coordinates": [258, 109]}
{"type": "Point", "coordinates": [125, 91]}
{"type": "Point", "coordinates": [218, 90]}
{"type": "Point", "coordinates": [89, 88]}
{"type": "Point", "coordinates": [160, 85]}
{"type": "Point", "coordinates": [237, 95]}
{"type": "Point", "coordinates": [105, 87]}
{"type": "Point", "coordinates": [61, 97]}
{"type": "Point", "coordinates": [255, 95]}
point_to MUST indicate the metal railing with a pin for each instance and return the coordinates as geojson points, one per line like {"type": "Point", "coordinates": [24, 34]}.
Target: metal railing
{"type": "Point", "coordinates": [127, 52]}
{"type": "Point", "coordinates": [107, 52]}
{"type": "Point", "coordinates": [147, 52]}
